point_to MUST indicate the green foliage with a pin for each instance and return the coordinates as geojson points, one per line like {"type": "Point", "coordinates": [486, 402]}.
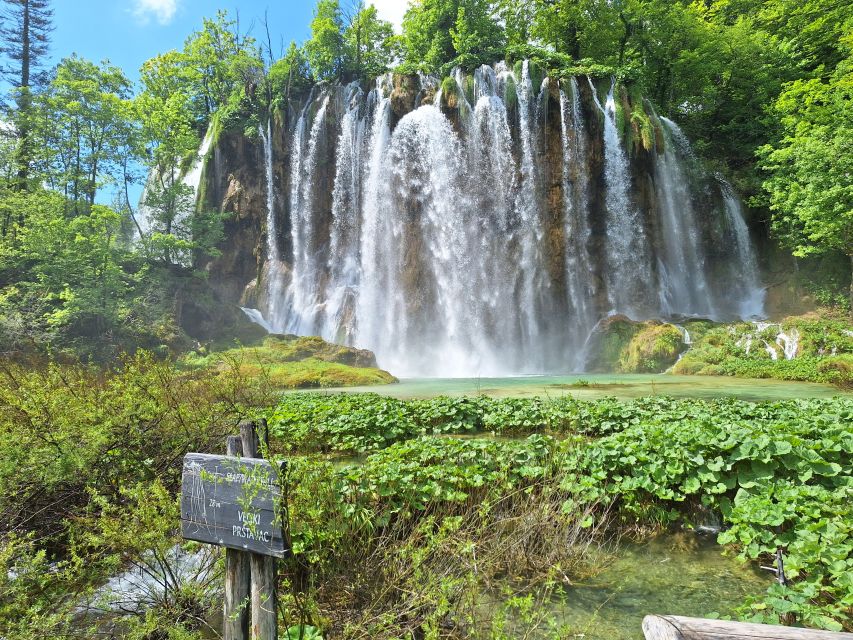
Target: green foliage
{"type": "Point", "coordinates": [809, 169]}
{"type": "Point", "coordinates": [778, 473]}
{"type": "Point", "coordinates": [441, 34]}
{"type": "Point", "coordinates": [823, 355]}
{"type": "Point", "coordinates": [59, 276]}
{"type": "Point", "coordinates": [325, 49]}
{"type": "Point", "coordinates": [289, 75]}
{"type": "Point", "coordinates": [370, 44]}
{"type": "Point", "coordinates": [84, 130]}
{"type": "Point", "coordinates": [88, 487]}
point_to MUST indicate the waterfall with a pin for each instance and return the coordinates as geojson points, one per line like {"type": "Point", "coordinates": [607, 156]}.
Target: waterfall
{"type": "Point", "coordinates": [681, 259]}
{"type": "Point", "coordinates": [274, 282]}
{"type": "Point", "coordinates": [473, 242]}
{"type": "Point", "coordinates": [746, 286]}
{"type": "Point", "coordinates": [257, 317]}
{"type": "Point", "coordinates": [628, 272]}
{"type": "Point", "coordinates": [375, 241]}
{"type": "Point", "coordinates": [342, 261]}
{"type": "Point", "coordinates": [576, 216]}
{"type": "Point", "coordinates": [304, 294]}
{"type": "Point", "coordinates": [529, 215]}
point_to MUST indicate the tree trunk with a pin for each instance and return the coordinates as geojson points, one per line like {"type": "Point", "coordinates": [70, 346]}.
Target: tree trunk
{"type": "Point", "coordinates": [851, 285]}
{"type": "Point", "coordinates": [24, 105]}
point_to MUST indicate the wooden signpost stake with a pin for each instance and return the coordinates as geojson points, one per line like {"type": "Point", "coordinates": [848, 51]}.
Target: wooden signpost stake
{"type": "Point", "coordinates": [237, 575]}
{"type": "Point", "coordinates": [264, 597]}
{"type": "Point", "coordinates": [235, 501]}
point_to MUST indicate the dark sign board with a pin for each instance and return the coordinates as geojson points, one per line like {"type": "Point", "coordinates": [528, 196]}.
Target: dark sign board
{"type": "Point", "coordinates": [232, 502]}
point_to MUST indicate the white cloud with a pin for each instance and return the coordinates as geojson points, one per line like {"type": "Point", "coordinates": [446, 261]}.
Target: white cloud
{"type": "Point", "coordinates": [391, 10]}
{"type": "Point", "coordinates": [162, 10]}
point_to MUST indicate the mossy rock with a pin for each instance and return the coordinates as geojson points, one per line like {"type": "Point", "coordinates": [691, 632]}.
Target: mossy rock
{"type": "Point", "coordinates": [450, 93]}
{"type": "Point", "coordinates": [297, 362]}
{"type": "Point", "coordinates": [824, 350]}
{"type": "Point", "coordinates": [609, 340]}
{"type": "Point", "coordinates": [688, 366]}
{"type": "Point", "coordinates": [653, 349]}
{"type": "Point", "coordinates": [510, 94]}
{"type": "Point", "coordinates": [292, 348]}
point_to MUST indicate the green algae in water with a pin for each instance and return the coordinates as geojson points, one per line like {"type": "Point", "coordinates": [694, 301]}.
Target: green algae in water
{"type": "Point", "coordinates": [683, 574]}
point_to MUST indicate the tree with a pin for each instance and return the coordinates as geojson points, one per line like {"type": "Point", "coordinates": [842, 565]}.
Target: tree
{"type": "Point", "coordinates": [170, 139]}
{"type": "Point", "coordinates": [61, 278]}
{"type": "Point", "coordinates": [368, 43]}
{"type": "Point", "coordinates": [518, 17]}
{"type": "Point", "coordinates": [218, 61]}
{"type": "Point", "coordinates": [438, 33]}
{"type": "Point", "coordinates": [811, 168]}
{"type": "Point", "coordinates": [85, 129]}
{"type": "Point", "coordinates": [289, 74]}
{"type": "Point", "coordinates": [325, 49]}
{"type": "Point", "coordinates": [25, 38]}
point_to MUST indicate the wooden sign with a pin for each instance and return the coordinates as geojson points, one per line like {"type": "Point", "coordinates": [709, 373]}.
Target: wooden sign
{"type": "Point", "coordinates": [233, 502]}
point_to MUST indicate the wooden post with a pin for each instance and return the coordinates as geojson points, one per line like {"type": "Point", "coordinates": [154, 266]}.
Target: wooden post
{"type": "Point", "coordinates": [681, 628]}
{"type": "Point", "coordinates": [263, 568]}
{"type": "Point", "coordinates": [237, 575]}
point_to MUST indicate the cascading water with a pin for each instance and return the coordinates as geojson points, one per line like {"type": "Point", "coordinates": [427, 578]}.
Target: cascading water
{"type": "Point", "coordinates": [274, 266]}
{"type": "Point", "coordinates": [747, 285]}
{"type": "Point", "coordinates": [628, 273]}
{"type": "Point", "coordinates": [529, 214]}
{"type": "Point", "coordinates": [304, 294]}
{"type": "Point", "coordinates": [576, 217]}
{"type": "Point", "coordinates": [476, 245]}
{"type": "Point", "coordinates": [342, 262]}
{"type": "Point", "coordinates": [681, 259]}
{"type": "Point", "coordinates": [376, 240]}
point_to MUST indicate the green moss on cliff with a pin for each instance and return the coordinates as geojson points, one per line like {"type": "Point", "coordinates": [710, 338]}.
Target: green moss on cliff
{"type": "Point", "coordinates": [653, 349]}
{"type": "Point", "coordinates": [642, 126]}
{"type": "Point", "coordinates": [450, 93]}
{"type": "Point", "coordinates": [611, 338]}
{"type": "Point", "coordinates": [510, 94]}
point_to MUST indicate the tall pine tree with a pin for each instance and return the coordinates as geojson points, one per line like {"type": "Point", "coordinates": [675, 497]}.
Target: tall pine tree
{"type": "Point", "coordinates": [25, 35]}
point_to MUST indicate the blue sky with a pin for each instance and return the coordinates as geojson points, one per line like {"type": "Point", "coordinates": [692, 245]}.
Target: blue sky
{"type": "Point", "coordinates": [128, 32]}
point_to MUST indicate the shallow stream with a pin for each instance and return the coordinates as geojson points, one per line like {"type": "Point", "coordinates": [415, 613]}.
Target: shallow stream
{"type": "Point", "coordinates": [682, 574]}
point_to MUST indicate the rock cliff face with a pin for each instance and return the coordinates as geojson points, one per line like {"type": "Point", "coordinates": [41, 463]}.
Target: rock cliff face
{"type": "Point", "coordinates": [483, 224]}
{"type": "Point", "coordinates": [233, 184]}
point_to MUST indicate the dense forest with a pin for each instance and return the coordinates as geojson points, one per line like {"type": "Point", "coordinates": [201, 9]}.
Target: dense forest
{"type": "Point", "coordinates": [440, 517]}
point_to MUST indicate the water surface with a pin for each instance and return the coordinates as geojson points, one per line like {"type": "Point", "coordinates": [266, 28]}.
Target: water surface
{"type": "Point", "coordinates": [683, 574]}
{"type": "Point", "coordinates": [593, 386]}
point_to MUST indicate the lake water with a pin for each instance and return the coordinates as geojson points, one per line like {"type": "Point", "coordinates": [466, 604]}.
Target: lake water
{"type": "Point", "coordinates": [592, 386]}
